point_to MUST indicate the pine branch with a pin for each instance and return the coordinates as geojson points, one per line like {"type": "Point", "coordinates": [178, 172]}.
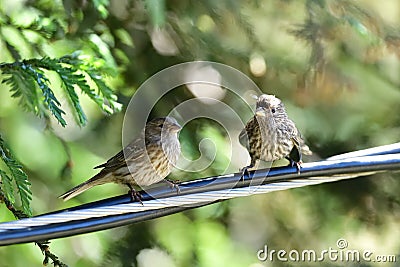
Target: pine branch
{"type": "Point", "coordinates": [69, 78]}
{"type": "Point", "coordinates": [18, 176]}
{"type": "Point", "coordinates": [44, 247]}
{"type": "Point", "coordinates": [50, 99]}
{"type": "Point", "coordinates": [21, 86]}
{"type": "Point", "coordinates": [27, 78]}
{"type": "Point", "coordinates": [105, 97]}
{"type": "Point", "coordinates": [8, 187]}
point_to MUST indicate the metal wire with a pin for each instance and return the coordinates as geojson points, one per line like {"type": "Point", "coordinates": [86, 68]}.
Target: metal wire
{"type": "Point", "coordinates": [163, 201]}
{"type": "Point", "coordinates": [380, 150]}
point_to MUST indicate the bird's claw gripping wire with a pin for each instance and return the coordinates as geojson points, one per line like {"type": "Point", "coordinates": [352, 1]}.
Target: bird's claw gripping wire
{"type": "Point", "coordinates": [245, 171]}
{"type": "Point", "coordinates": [173, 184]}
{"type": "Point", "coordinates": [293, 163]}
{"type": "Point", "coordinates": [135, 196]}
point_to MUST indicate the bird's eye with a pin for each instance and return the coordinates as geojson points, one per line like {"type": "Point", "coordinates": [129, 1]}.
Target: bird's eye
{"type": "Point", "coordinates": [273, 110]}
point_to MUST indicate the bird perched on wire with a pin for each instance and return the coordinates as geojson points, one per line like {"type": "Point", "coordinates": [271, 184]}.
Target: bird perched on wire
{"type": "Point", "coordinates": [150, 158]}
{"type": "Point", "coordinates": [270, 135]}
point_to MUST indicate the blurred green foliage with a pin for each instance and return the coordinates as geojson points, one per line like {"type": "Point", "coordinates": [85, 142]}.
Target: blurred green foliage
{"type": "Point", "coordinates": [334, 64]}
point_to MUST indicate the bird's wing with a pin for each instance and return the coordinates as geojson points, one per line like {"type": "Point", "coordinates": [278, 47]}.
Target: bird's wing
{"type": "Point", "coordinates": [305, 150]}
{"type": "Point", "coordinates": [295, 153]}
{"type": "Point", "coordinates": [251, 126]}
{"type": "Point", "coordinates": [132, 151]}
{"type": "Point", "coordinates": [243, 139]}
{"type": "Point", "coordinates": [299, 142]}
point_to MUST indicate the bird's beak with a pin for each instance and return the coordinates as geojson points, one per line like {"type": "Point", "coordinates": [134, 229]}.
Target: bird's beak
{"type": "Point", "coordinates": [260, 112]}
{"type": "Point", "coordinates": [176, 128]}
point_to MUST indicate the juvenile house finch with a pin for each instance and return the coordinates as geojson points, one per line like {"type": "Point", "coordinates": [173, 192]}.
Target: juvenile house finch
{"type": "Point", "coordinates": [149, 160]}
{"type": "Point", "coordinates": [270, 135]}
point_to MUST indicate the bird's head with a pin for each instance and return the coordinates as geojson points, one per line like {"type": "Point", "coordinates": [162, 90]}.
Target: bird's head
{"type": "Point", "coordinates": [165, 125]}
{"type": "Point", "coordinates": [269, 106]}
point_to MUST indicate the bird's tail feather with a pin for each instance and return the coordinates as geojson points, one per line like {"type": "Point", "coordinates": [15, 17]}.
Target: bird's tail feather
{"type": "Point", "coordinates": [306, 150]}
{"type": "Point", "coordinates": [95, 180]}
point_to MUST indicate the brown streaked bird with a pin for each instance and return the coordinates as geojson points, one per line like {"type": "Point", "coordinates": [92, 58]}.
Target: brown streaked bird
{"type": "Point", "coordinates": [150, 158]}
{"type": "Point", "coordinates": [270, 135]}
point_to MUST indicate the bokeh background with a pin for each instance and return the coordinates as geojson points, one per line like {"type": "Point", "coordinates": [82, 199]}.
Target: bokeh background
{"type": "Point", "coordinates": [335, 64]}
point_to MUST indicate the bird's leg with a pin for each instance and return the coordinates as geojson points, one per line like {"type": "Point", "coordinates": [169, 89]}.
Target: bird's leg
{"type": "Point", "coordinates": [135, 196]}
{"type": "Point", "coordinates": [245, 170]}
{"type": "Point", "coordinates": [294, 158]}
{"type": "Point", "coordinates": [173, 184]}
{"type": "Point", "coordinates": [293, 163]}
